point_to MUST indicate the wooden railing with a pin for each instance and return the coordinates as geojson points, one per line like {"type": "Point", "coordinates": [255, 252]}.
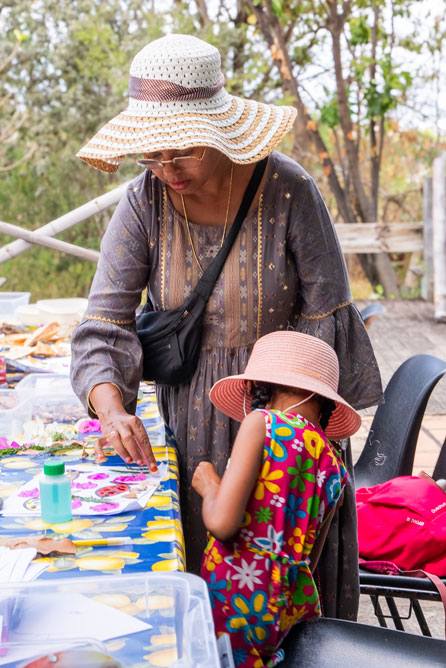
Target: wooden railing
{"type": "Point", "coordinates": [380, 237]}
{"type": "Point", "coordinates": [428, 236]}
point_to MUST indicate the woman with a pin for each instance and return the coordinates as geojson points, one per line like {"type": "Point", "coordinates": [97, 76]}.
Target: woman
{"type": "Point", "coordinates": [199, 146]}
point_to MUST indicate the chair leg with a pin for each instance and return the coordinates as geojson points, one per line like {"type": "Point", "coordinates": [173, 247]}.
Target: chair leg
{"type": "Point", "coordinates": [395, 614]}
{"type": "Point", "coordinates": [419, 614]}
{"type": "Point", "coordinates": [378, 611]}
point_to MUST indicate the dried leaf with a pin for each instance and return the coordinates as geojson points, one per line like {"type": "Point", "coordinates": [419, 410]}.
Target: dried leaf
{"type": "Point", "coordinates": [42, 544]}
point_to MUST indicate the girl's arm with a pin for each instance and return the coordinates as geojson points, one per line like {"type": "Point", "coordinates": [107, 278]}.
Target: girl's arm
{"type": "Point", "coordinates": [225, 499]}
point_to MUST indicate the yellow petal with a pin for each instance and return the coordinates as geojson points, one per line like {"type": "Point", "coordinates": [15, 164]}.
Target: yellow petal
{"type": "Point", "coordinates": [275, 475]}
{"type": "Point", "coordinates": [163, 657]}
{"type": "Point", "coordinates": [100, 563]}
{"type": "Point", "coordinates": [113, 600]}
{"type": "Point", "coordinates": [165, 565]}
{"type": "Point", "coordinates": [283, 431]}
{"type": "Point", "coordinates": [163, 639]}
{"type": "Point", "coordinates": [72, 527]}
{"type": "Point", "coordinates": [240, 604]}
{"type": "Point", "coordinates": [157, 602]}
{"type": "Point", "coordinates": [237, 623]}
{"type": "Point", "coordinates": [259, 601]}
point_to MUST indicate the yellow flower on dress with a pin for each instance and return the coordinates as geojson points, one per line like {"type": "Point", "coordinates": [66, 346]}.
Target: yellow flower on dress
{"type": "Point", "coordinates": [213, 558]}
{"type": "Point", "coordinates": [310, 538]}
{"type": "Point", "coordinates": [334, 458]}
{"type": "Point", "coordinates": [275, 573]}
{"type": "Point", "coordinates": [246, 520]}
{"type": "Point", "coordinates": [265, 480]}
{"type": "Point", "coordinates": [296, 541]}
{"type": "Point", "coordinates": [314, 443]}
{"type": "Point", "coordinates": [287, 621]}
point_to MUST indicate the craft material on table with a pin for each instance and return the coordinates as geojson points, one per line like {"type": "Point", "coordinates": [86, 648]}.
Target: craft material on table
{"type": "Point", "coordinates": [55, 493]}
{"type": "Point", "coordinates": [95, 490]}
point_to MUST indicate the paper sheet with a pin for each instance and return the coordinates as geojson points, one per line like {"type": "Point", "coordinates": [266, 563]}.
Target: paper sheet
{"type": "Point", "coordinates": [95, 490]}
{"type": "Point", "coordinates": [65, 616]}
{"type": "Point", "coordinates": [16, 565]}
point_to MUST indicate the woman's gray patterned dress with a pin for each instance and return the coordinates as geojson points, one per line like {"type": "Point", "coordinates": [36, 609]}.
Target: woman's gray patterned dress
{"type": "Point", "coordinates": [284, 270]}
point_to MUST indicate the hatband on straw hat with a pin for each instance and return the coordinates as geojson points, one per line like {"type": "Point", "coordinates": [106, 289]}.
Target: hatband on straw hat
{"type": "Point", "coordinates": [177, 100]}
{"type": "Point", "coordinates": [296, 360]}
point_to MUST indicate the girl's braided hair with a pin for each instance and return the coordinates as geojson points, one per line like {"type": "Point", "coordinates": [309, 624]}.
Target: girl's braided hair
{"type": "Point", "coordinates": [261, 394]}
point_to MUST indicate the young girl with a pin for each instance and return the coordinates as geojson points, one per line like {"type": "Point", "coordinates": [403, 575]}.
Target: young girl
{"type": "Point", "coordinates": [269, 514]}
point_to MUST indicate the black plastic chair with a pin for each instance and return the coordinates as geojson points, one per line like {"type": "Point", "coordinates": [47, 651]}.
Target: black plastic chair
{"type": "Point", "coordinates": [389, 450]}
{"type": "Point", "coordinates": [334, 643]}
{"type": "Point", "coordinates": [370, 311]}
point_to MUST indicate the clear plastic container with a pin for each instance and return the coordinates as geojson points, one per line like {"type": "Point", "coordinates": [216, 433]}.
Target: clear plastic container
{"type": "Point", "coordinates": [51, 397]}
{"type": "Point", "coordinates": [176, 607]}
{"type": "Point", "coordinates": [10, 301]}
{"type": "Point", "coordinates": [55, 493]}
{"type": "Point", "coordinates": [67, 311]}
{"type": "Point", "coordinates": [15, 410]}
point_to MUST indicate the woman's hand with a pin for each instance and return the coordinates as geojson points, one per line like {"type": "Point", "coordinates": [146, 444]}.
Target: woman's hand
{"type": "Point", "coordinates": [205, 478]}
{"type": "Point", "coordinates": [124, 432]}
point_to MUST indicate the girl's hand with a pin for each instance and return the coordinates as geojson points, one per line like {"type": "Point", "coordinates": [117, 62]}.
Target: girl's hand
{"type": "Point", "coordinates": [204, 478]}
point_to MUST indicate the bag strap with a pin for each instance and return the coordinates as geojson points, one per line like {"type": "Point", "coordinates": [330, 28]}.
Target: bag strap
{"type": "Point", "coordinates": [438, 584]}
{"type": "Point", "coordinates": [207, 282]}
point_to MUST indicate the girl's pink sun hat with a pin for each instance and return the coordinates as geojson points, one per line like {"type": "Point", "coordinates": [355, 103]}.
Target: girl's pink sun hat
{"type": "Point", "coordinates": [295, 360]}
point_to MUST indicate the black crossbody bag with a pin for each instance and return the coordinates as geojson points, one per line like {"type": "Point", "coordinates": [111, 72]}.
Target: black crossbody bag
{"type": "Point", "coordinates": [171, 340]}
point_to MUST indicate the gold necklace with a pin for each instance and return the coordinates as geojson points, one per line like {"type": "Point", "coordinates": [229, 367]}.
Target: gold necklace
{"type": "Point", "coordinates": [225, 225]}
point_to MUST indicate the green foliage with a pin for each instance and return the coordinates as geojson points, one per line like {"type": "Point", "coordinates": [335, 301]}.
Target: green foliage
{"type": "Point", "coordinates": [382, 98]}
{"type": "Point", "coordinates": [66, 74]}
{"type": "Point", "coordinates": [330, 111]}
{"type": "Point", "coordinates": [359, 31]}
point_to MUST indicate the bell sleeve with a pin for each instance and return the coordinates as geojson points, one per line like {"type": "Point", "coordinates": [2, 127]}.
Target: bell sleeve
{"type": "Point", "coordinates": [325, 308]}
{"type": "Point", "coordinates": [105, 346]}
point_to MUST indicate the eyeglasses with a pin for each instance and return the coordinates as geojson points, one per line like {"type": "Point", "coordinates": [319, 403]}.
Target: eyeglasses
{"type": "Point", "coordinates": [180, 162]}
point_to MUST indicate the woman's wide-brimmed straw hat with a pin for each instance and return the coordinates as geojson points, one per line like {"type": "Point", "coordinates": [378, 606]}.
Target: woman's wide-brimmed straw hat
{"type": "Point", "coordinates": [177, 100]}
{"type": "Point", "coordinates": [295, 360]}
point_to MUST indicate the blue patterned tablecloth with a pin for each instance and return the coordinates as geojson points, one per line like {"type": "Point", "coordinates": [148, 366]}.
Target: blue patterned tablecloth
{"type": "Point", "coordinates": [156, 532]}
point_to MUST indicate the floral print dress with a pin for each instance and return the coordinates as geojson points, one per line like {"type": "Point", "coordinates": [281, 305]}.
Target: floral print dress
{"type": "Point", "coordinates": [260, 583]}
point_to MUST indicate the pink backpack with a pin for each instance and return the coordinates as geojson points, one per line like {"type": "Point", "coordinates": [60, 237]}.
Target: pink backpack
{"type": "Point", "coordinates": [403, 521]}
{"type": "Point", "coordinates": [402, 529]}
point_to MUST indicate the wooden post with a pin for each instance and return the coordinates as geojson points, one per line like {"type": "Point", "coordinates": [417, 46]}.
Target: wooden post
{"type": "Point", "coordinates": [427, 283]}
{"type": "Point", "coordinates": [439, 236]}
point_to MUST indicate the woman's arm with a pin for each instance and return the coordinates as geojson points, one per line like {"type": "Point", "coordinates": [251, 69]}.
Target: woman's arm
{"type": "Point", "coordinates": [106, 353]}
{"type": "Point", "coordinates": [225, 499]}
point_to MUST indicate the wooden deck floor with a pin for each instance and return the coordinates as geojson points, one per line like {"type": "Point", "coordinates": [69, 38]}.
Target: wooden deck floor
{"type": "Point", "coordinates": [405, 329]}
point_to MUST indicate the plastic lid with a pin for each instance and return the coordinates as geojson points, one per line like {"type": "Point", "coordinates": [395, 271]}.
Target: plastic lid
{"type": "Point", "coordinates": [54, 468]}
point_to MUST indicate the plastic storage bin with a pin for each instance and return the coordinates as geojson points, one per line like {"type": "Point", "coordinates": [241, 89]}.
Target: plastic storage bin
{"type": "Point", "coordinates": [51, 397]}
{"type": "Point", "coordinates": [67, 311]}
{"type": "Point", "coordinates": [15, 410]}
{"type": "Point", "coordinates": [10, 301]}
{"type": "Point", "coordinates": [175, 605]}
